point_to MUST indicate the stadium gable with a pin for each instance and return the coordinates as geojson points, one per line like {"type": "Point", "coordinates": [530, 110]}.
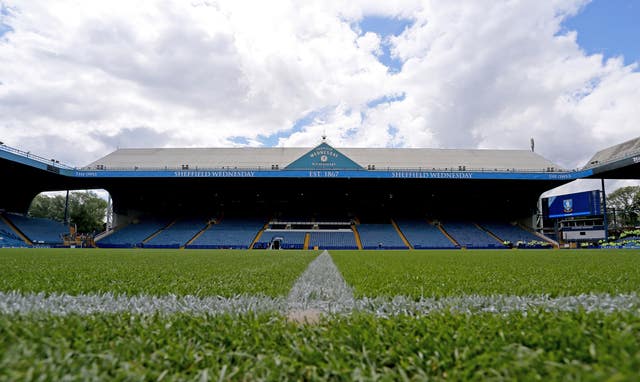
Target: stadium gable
{"type": "Point", "coordinates": [324, 156]}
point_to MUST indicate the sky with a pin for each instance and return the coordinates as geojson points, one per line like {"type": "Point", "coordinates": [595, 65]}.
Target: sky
{"type": "Point", "coordinates": [79, 79]}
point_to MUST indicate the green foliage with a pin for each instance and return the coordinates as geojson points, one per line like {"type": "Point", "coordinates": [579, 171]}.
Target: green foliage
{"type": "Point", "coordinates": [50, 207]}
{"type": "Point", "coordinates": [86, 209]}
{"type": "Point", "coordinates": [633, 233]}
{"type": "Point", "coordinates": [486, 272]}
{"type": "Point", "coordinates": [626, 201]}
{"type": "Point", "coordinates": [443, 346]}
{"type": "Point", "coordinates": [152, 272]}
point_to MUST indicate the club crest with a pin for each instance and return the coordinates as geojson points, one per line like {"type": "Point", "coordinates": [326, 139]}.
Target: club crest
{"type": "Point", "coordinates": [568, 205]}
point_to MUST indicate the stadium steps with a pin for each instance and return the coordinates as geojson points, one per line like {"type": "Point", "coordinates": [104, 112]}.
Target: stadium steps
{"type": "Point", "coordinates": [104, 234]}
{"type": "Point", "coordinates": [258, 235]}
{"type": "Point", "coordinates": [197, 235]}
{"type": "Point", "coordinates": [307, 238]}
{"type": "Point", "coordinates": [404, 239]}
{"type": "Point", "coordinates": [541, 236]}
{"type": "Point", "coordinates": [451, 239]}
{"type": "Point", "coordinates": [158, 232]}
{"type": "Point", "coordinates": [356, 234]}
{"type": "Point", "coordinates": [16, 229]}
{"type": "Point", "coordinates": [501, 241]}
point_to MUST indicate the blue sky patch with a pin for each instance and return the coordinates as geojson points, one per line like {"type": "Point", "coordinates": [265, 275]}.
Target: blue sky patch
{"type": "Point", "coordinates": [4, 28]}
{"type": "Point", "coordinates": [386, 99]}
{"type": "Point", "coordinates": [385, 27]}
{"type": "Point", "coordinates": [308, 119]}
{"type": "Point", "coordinates": [239, 140]}
{"type": "Point", "coordinates": [609, 27]}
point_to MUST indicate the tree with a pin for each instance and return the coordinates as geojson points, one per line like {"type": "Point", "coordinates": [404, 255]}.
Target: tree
{"type": "Point", "coordinates": [626, 201]}
{"type": "Point", "coordinates": [50, 207]}
{"type": "Point", "coordinates": [86, 209]}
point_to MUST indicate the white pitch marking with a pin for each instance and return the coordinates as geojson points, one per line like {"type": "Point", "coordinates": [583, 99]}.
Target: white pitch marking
{"type": "Point", "coordinates": [321, 289]}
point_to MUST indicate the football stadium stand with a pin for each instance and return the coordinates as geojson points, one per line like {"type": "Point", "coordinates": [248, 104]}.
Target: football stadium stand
{"type": "Point", "coordinates": [323, 183]}
{"type": "Point", "coordinates": [285, 239]}
{"type": "Point", "coordinates": [294, 239]}
{"type": "Point", "coordinates": [8, 238]}
{"type": "Point", "coordinates": [177, 234]}
{"type": "Point", "coordinates": [423, 235]}
{"type": "Point", "coordinates": [39, 230]}
{"type": "Point", "coordinates": [332, 240]}
{"type": "Point", "coordinates": [511, 233]}
{"type": "Point", "coordinates": [379, 236]}
{"type": "Point", "coordinates": [230, 233]}
{"type": "Point", "coordinates": [468, 235]}
{"type": "Point", "coordinates": [134, 234]}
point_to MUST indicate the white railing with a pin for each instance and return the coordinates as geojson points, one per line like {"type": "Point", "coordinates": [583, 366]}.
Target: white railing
{"type": "Point", "coordinates": [28, 155]}
{"type": "Point", "coordinates": [377, 169]}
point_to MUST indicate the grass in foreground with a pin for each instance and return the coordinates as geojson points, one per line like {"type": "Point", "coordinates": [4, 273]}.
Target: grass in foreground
{"type": "Point", "coordinates": [539, 345]}
{"type": "Point", "coordinates": [152, 272]}
{"type": "Point", "coordinates": [486, 272]}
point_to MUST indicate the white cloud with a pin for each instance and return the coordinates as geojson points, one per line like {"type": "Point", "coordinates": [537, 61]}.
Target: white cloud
{"type": "Point", "coordinates": [93, 75]}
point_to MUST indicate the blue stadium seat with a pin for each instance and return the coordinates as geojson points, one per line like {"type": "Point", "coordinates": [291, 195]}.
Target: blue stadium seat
{"type": "Point", "coordinates": [332, 240]}
{"type": "Point", "coordinates": [380, 236]}
{"type": "Point", "coordinates": [133, 234]}
{"type": "Point", "coordinates": [422, 235]}
{"type": "Point", "coordinates": [290, 239]}
{"type": "Point", "coordinates": [39, 230]}
{"type": "Point", "coordinates": [8, 238]}
{"type": "Point", "coordinates": [230, 234]}
{"type": "Point", "coordinates": [510, 232]}
{"type": "Point", "coordinates": [178, 234]}
{"type": "Point", "coordinates": [470, 236]}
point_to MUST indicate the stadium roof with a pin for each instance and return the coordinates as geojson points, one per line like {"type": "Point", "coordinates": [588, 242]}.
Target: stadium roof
{"type": "Point", "coordinates": [619, 151]}
{"type": "Point", "coordinates": [621, 161]}
{"type": "Point", "coordinates": [265, 158]}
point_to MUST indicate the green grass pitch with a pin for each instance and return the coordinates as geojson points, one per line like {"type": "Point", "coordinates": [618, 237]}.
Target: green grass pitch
{"type": "Point", "coordinates": [536, 345]}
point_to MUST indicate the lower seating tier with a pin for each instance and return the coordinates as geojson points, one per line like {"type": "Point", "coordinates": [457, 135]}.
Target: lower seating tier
{"type": "Point", "coordinates": [422, 235]}
{"type": "Point", "coordinates": [512, 233]}
{"type": "Point", "coordinates": [39, 230]}
{"type": "Point", "coordinates": [380, 236]}
{"type": "Point", "coordinates": [470, 236]}
{"type": "Point", "coordinates": [133, 234]}
{"type": "Point", "coordinates": [229, 234]}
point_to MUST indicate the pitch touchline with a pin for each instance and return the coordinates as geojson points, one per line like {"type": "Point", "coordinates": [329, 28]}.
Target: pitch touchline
{"type": "Point", "coordinates": [63, 304]}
